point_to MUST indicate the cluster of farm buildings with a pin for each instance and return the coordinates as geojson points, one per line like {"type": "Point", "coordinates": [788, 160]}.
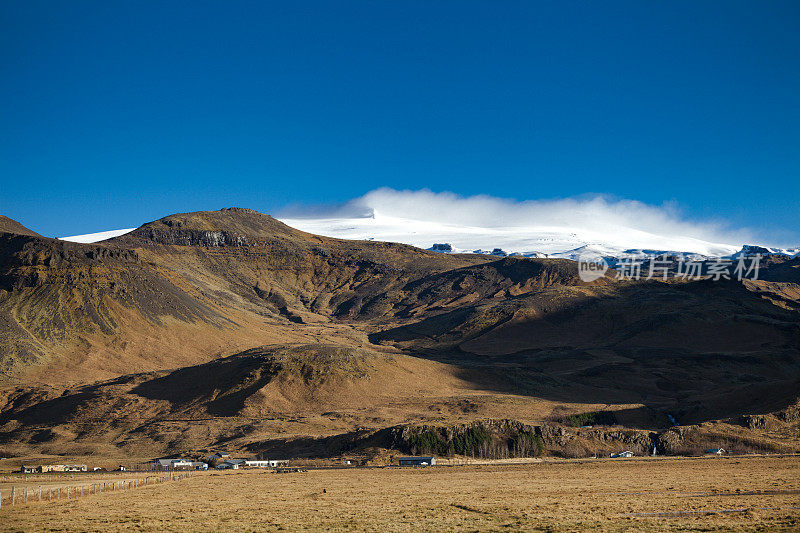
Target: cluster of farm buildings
{"type": "Point", "coordinates": [43, 469]}
{"type": "Point", "coordinates": [628, 453]}
{"type": "Point", "coordinates": [223, 461]}
{"type": "Point", "coordinates": [219, 460]}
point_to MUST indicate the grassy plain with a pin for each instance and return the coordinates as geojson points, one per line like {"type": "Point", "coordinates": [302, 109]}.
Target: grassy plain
{"type": "Point", "coordinates": [546, 496]}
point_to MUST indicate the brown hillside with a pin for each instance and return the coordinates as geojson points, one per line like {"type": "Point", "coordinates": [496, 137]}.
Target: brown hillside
{"type": "Point", "coordinates": [8, 225]}
{"type": "Point", "coordinates": [227, 227]}
{"type": "Point", "coordinates": [86, 312]}
{"type": "Point", "coordinates": [120, 344]}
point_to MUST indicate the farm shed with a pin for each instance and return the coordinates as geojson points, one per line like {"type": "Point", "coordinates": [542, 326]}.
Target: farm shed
{"type": "Point", "coordinates": [417, 461]}
{"type": "Point", "coordinates": [43, 469]}
{"type": "Point", "coordinates": [266, 463]}
{"type": "Point", "coordinates": [257, 464]}
{"type": "Point", "coordinates": [173, 463]}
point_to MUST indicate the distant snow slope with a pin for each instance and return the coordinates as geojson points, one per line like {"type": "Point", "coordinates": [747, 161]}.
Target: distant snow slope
{"type": "Point", "coordinates": [97, 237]}
{"type": "Point", "coordinates": [531, 241]}
{"type": "Point", "coordinates": [557, 241]}
{"type": "Point", "coordinates": [565, 228]}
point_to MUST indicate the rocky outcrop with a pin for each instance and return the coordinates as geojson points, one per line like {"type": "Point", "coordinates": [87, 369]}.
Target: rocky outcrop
{"type": "Point", "coordinates": [494, 439]}
{"type": "Point", "coordinates": [190, 237]}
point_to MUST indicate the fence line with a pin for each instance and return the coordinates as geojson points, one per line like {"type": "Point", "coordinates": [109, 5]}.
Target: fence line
{"type": "Point", "coordinates": [80, 491]}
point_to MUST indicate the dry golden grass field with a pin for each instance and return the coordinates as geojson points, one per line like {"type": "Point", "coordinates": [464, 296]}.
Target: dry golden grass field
{"type": "Point", "coordinates": [603, 495]}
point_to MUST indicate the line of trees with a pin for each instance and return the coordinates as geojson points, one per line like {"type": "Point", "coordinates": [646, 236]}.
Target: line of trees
{"type": "Point", "coordinates": [476, 441]}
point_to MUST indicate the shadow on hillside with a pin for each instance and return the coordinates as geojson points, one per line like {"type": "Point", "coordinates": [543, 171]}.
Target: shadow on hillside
{"type": "Point", "coordinates": [34, 408]}
{"type": "Point", "coordinates": [53, 411]}
{"type": "Point", "coordinates": [330, 446]}
{"type": "Point", "coordinates": [697, 351]}
{"type": "Point", "coordinates": [222, 386]}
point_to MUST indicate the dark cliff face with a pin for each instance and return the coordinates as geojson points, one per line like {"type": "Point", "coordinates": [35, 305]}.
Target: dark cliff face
{"type": "Point", "coordinates": [26, 261]}
{"type": "Point", "coordinates": [190, 237]}
{"type": "Point", "coordinates": [503, 438]}
{"type": "Point", "coordinates": [506, 438]}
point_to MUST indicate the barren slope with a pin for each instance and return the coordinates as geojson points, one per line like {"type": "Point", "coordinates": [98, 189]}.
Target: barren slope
{"type": "Point", "coordinates": [8, 225]}
{"type": "Point", "coordinates": [128, 345]}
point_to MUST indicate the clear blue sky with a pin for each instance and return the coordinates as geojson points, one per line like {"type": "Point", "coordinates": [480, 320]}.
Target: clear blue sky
{"type": "Point", "coordinates": [116, 113]}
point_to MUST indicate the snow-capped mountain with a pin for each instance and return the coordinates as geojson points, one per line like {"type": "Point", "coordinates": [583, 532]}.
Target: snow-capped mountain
{"type": "Point", "coordinates": [749, 249]}
{"type": "Point", "coordinates": [528, 241]}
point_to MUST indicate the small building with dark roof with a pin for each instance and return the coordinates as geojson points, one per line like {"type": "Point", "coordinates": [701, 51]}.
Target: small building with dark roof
{"type": "Point", "coordinates": [417, 461]}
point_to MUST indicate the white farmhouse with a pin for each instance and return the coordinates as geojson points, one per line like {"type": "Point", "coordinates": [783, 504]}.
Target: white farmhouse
{"type": "Point", "coordinates": [626, 453]}
{"type": "Point", "coordinates": [266, 463]}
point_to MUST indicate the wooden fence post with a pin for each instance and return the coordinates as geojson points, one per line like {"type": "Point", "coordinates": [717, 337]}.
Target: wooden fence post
{"type": "Point", "coordinates": [40, 493]}
{"type": "Point", "coordinates": [26, 495]}
{"type": "Point", "coordinates": [49, 493]}
{"type": "Point", "coordinates": [12, 495]}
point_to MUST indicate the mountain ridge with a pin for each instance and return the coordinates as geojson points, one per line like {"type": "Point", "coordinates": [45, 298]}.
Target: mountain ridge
{"type": "Point", "coordinates": [198, 293]}
{"type": "Point", "coordinates": [540, 242]}
{"type": "Point", "coordinates": [9, 225]}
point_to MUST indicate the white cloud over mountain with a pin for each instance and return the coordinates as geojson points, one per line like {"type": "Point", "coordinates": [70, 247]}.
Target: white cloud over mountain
{"type": "Point", "coordinates": [548, 226]}
{"type": "Point", "coordinates": [558, 228]}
